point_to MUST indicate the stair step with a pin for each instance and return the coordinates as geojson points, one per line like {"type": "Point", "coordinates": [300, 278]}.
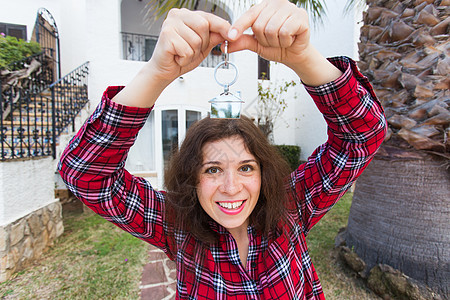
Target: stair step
{"type": "Point", "coordinates": [29, 132]}
{"type": "Point", "coordinates": [44, 115]}
{"type": "Point", "coordinates": [31, 124]}
{"type": "Point", "coordinates": [48, 102]}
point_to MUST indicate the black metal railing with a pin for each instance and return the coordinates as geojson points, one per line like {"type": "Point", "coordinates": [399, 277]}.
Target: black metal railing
{"type": "Point", "coordinates": [140, 47]}
{"type": "Point", "coordinates": [36, 119]}
{"type": "Point", "coordinates": [70, 95]}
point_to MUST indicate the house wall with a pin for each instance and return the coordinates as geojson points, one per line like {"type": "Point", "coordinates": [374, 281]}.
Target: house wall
{"type": "Point", "coordinates": [69, 17]}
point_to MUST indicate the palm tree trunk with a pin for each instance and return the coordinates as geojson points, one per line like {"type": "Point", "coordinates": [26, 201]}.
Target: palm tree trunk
{"type": "Point", "coordinates": [400, 216]}
{"type": "Point", "coordinates": [401, 205]}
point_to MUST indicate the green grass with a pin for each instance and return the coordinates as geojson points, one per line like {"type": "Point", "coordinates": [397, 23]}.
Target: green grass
{"type": "Point", "coordinates": [338, 282]}
{"type": "Point", "coordinates": [92, 260]}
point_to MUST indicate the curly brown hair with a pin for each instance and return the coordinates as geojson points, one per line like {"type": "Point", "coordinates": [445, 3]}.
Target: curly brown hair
{"type": "Point", "coordinates": [183, 209]}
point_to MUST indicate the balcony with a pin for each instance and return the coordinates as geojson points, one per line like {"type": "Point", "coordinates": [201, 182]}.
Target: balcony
{"type": "Point", "coordinates": [140, 47]}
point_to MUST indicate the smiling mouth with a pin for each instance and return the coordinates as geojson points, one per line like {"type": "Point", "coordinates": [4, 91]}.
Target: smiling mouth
{"type": "Point", "coordinates": [231, 205]}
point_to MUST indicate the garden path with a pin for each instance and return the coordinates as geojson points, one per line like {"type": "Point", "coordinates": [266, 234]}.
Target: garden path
{"type": "Point", "coordinates": [159, 277]}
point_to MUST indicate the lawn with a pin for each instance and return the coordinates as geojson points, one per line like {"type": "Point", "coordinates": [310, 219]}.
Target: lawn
{"type": "Point", "coordinates": [96, 260]}
{"type": "Point", "coordinates": [93, 259]}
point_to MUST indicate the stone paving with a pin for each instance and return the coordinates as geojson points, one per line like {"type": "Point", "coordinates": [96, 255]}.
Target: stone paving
{"type": "Point", "coordinates": [159, 277]}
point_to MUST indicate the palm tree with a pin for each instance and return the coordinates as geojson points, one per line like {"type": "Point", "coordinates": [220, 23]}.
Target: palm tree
{"type": "Point", "coordinates": [401, 205]}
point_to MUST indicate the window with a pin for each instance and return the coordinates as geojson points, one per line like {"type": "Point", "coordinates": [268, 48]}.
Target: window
{"type": "Point", "coordinates": [173, 129]}
{"type": "Point", "coordinates": [157, 140]}
{"type": "Point", "coordinates": [192, 117]}
{"type": "Point", "coordinates": [150, 44]}
{"type": "Point", "coordinates": [18, 31]}
{"type": "Point", "coordinates": [263, 68]}
{"type": "Point", "coordinates": [169, 133]}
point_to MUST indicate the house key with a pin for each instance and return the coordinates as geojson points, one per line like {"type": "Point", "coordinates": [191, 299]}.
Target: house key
{"type": "Point", "coordinates": [226, 105]}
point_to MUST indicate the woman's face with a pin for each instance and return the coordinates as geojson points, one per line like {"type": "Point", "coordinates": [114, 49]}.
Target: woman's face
{"type": "Point", "coordinates": [229, 183]}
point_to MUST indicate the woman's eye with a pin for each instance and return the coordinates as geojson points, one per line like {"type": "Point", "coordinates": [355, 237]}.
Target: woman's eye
{"type": "Point", "coordinates": [246, 168]}
{"type": "Point", "coordinates": [212, 170]}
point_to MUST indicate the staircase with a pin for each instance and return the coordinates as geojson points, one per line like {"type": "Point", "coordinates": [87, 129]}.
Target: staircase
{"type": "Point", "coordinates": [33, 118]}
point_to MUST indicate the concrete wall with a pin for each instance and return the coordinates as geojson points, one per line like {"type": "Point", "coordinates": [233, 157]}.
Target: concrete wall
{"type": "Point", "coordinates": [25, 186]}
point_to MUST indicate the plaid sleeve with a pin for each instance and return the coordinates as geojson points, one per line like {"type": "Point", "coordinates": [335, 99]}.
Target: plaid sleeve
{"type": "Point", "coordinates": [92, 166]}
{"type": "Point", "coordinates": [356, 129]}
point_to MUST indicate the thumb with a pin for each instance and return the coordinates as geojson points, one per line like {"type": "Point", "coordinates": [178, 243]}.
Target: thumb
{"type": "Point", "coordinates": [244, 22]}
{"type": "Point", "coordinates": [245, 42]}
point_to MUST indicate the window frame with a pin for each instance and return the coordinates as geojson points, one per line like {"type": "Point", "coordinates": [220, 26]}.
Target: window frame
{"type": "Point", "coordinates": [9, 26]}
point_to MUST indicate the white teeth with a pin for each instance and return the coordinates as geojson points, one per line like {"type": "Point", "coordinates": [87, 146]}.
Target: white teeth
{"type": "Point", "coordinates": [231, 205]}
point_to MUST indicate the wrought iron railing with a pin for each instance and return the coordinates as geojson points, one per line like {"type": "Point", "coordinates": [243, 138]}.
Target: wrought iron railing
{"type": "Point", "coordinates": [37, 117]}
{"type": "Point", "coordinates": [70, 95]}
{"type": "Point", "coordinates": [140, 47]}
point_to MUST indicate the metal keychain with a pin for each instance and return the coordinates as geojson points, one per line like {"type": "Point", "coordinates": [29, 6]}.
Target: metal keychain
{"type": "Point", "coordinates": [226, 105]}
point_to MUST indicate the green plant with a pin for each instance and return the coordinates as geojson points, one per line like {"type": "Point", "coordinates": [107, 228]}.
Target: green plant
{"type": "Point", "coordinates": [271, 103]}
{"type": "Point", "coordinates": [291, 154]}
{"type": "Point", "coordinates": [12, 49]}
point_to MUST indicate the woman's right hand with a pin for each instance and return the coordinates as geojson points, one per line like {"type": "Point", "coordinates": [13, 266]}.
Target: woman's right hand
{"type": "Point", "coordinates": [186, 38]}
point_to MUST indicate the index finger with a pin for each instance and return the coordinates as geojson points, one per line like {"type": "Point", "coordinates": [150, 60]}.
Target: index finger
{"type": "Point", "coordinates": [217, 24]}
{"type": "Point", "coordinates": [245, 21]}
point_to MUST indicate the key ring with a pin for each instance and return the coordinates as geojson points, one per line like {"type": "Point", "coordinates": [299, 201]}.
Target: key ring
{"type": "Point", "coordinates": [226, 63]}
{"type": "Point", "coordinates": [226, 105]}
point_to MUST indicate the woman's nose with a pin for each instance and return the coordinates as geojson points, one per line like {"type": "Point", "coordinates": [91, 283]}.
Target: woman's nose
{"type": "Point", "coordinates": [231, 184]}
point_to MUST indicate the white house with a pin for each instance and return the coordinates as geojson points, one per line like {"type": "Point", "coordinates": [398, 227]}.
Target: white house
{"type": "Point", "coordinates": [115, 36]}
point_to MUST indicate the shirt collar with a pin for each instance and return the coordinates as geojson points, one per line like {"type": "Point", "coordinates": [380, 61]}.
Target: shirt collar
{"type": "Point", "coordinates": [216, 227]}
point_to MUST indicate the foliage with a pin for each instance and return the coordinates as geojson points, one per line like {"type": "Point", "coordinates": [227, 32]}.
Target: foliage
{"type": "Point", "coordinates": [291, 154]}
{"type": "Point", "coordinates": [12, 49]}
{"type": "Point", "coordinates": [271, 103]}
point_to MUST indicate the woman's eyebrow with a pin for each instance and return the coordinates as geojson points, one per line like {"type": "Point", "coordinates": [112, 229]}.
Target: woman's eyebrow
{"type": "Point", "coordinates": [248, 161]}
{"type": "Point", "coordinates": [212, 162]}
{"type": "Point", "coordinates": [216, 162]}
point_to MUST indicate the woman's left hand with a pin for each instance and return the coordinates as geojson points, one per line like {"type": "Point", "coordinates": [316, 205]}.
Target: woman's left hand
{"type": "Point", "coordinates": [281, 31]}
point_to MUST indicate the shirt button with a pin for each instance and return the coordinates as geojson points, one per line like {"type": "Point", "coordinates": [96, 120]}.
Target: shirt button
{"type": "Point", "coordinates": [253, 264]}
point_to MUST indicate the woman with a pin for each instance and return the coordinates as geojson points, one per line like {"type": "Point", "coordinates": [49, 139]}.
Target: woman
{"type": "Point", "coordinates": [231, 219]}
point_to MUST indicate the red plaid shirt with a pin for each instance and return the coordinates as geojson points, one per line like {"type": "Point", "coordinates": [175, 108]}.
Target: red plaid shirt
{"type": "Point", "coordinates": [93, 168]}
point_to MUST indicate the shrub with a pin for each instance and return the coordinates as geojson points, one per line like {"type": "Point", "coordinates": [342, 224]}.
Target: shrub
{"type": "Point", "coordinates": [291, 154]}
{"type": "Point", "coordinates": [12, 49]}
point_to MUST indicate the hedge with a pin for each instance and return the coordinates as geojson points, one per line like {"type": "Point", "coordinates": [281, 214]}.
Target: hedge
{"type": "Point", "coordinates": [291, 154]}
{"type": "Point", "coordinates": [12, 50]}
